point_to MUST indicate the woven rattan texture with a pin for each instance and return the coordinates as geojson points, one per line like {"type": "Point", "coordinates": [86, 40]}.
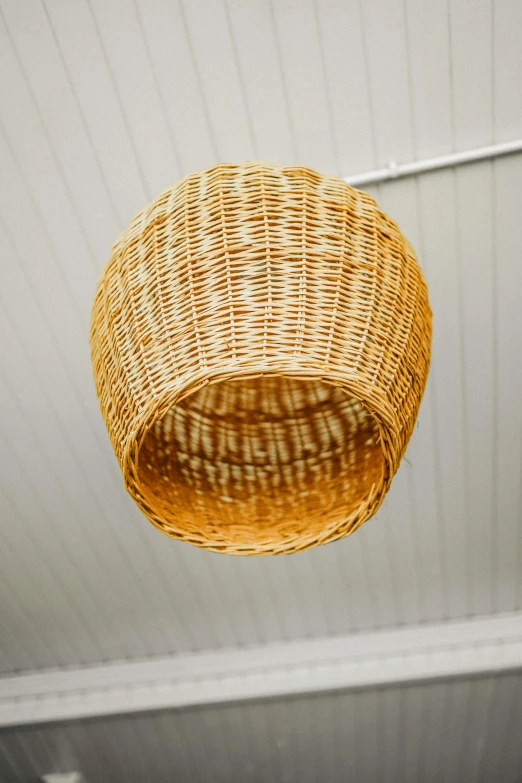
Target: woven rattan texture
{"type": "Point", "coordinates": [260, 341]}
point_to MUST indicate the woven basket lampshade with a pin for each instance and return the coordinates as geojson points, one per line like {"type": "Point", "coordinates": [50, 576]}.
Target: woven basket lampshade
{"type": "Point", "coordinates": [260, 341]}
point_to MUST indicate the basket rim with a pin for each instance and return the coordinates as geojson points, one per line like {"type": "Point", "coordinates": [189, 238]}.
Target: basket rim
{"type": "Point", "coordinates": [332, 532]}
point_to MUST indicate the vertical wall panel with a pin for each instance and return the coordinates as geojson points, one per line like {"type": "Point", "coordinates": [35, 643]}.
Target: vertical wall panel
{"type": "Point", "coordinates": [429, 73]}
{"type": "Point", "coordinates": [507, 69]}
{"type": "Point", "coordinates": [172, 57]}
{"type": "Point", "coordinates": [259, 64]}
{"type": "Point", "coordinates": [100, 108]}
{"type": "Point", "coordinates": [62, 124]}
{"type": "Point", "coordinates": [299, 46]}
{"type": "Point", "coordinates": [384, 37]}
{"type": "Point", "coordinates": [439, 251]}
{"type": "Point", "coordinates": [347, 84]}
{"type": "Point", "coordinates": [476, 285]}
{"type": "Point", "coordinates": [471, 53]}
{"type": "Point", "coordinates": [507, 203]}
{"type": "Point", "coordinates": [119, 32]}
{"type": "Point", "coordinates": [208, 29]}
{"type": "Point", "coordinates": [507, 124]}
{"type": "Point", "coordinates": [408, 528]}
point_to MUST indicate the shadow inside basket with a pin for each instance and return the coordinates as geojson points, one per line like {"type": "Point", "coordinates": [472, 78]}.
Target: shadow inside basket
{"type": "Point", "coordinates": [259, 461]}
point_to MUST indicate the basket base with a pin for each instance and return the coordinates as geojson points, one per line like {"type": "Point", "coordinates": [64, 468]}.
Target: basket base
{"type": "Point", "coordinates": [262, 465]}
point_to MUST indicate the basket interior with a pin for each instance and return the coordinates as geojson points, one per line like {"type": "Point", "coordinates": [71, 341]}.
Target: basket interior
{"type": "Point", "coordinates": [261, 463]}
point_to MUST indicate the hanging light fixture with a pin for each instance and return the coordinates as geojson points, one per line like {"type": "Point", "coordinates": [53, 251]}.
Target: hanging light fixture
{"type": "Point", "coordinates": [260, 342]}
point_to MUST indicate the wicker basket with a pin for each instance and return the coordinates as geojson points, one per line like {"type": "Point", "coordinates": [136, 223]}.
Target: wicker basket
{"type": "Point", "coordinates": [260, 340]}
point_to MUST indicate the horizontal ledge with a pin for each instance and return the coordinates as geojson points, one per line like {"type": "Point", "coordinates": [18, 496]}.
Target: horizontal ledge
{"type": "Point", "coordinates": [63, 777]}
{"type": "Point", "coordinates": [400, 170]}
{"type": "Point", "coordinates": [419, 653]}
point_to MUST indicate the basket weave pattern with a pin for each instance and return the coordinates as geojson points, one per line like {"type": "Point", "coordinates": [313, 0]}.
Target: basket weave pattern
{"type": "Point", "coordinates": [260, 341]}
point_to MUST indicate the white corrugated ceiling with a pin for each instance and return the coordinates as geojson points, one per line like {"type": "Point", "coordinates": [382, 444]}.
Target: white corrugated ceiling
{"type": "Point", "coordinates": [102, 106]}
{"type": "Point", "coordinates": [105, 103]}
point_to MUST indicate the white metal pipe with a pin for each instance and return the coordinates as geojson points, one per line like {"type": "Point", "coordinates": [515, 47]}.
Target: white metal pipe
{"type": "Point", "coordinates": [398, 170]}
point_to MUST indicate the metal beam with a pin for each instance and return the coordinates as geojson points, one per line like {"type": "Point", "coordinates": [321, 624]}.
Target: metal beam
{"type": "Point", "coordinates": [456, 649]}
{"type": "Point", "coordinates": [63, 777]}
{"type": "Point", "coordinates": [399, 170]}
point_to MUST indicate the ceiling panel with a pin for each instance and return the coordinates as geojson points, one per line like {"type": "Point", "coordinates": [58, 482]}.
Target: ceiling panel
{"type": "Point", "coordinates": [102, 105]}
{"type": "Point", "coordinates": [465, 730]}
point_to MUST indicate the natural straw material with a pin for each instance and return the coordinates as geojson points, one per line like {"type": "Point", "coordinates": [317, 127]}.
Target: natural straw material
{"type": "Point", "coordinates": [260, 341]}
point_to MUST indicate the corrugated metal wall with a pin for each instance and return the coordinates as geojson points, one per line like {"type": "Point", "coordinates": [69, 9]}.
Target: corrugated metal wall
{"type": "Point", "coordinates": [102, 104]}
{"type": "Point", "coordinates": [465, 731]}
{"type": "Point", "coordinates": [105, 103]}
